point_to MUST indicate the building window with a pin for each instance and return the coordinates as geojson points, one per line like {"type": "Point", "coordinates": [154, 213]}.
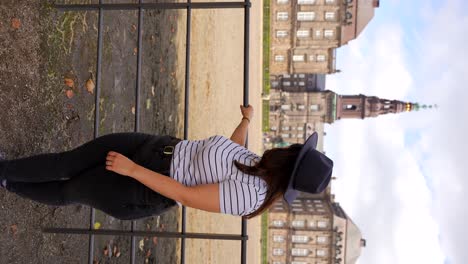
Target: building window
{"type": "Point", "coordinates": [306, 2]}
{"type": "Point", "coordinates": [329, 15]}
{"type": "Point", "coordinates": [285, 128]}
{"type": "Point", "coordinates": [286, 83]}
{"type": "Point", "coordinates": [286, 107]}
{"type": "Point", "coordinates": [300, 239]}
{"type": "Point", "coordinates": [299, 262]}
{"type": "Point", "coordinates": [301, 252]}
{"type": "Point", "coordinates": [285, 135]}
{"type": "Point", "coordinates": [321, 58]}
{"type": "Point", "coordinates": [278, 262]}
{"type": "Point", "coordinates": [298, 58]}
{"type": "Point", "coordinates": [278, 223]}
{"type": "Point", "coordinates": [282, 2]}
{"type": "Point", "coordinates": [318, 33]}
{"type": "Point", "coordinates": [321, 253]}
{"type": "Point", "coordinates": [278, 251]}
{"type": "Point", "coordinates": [297, 209]}
{"type": "Point", "coordinates": [350, 107]}
{"type": "Point", "coordinates": [281, 33]}
{"type": "Point", "coordinates": [282, 16]}
{"type": "Point", "coordinates": [329, 1]}
{"type": "Point", "coordinates": [322, 224]}
{"type": "Point", "coordinates": [317, 201]}
{"type": "Point", "coordinates": [274, 84]}
{"type": "Point", "coordinates": [321, 210]}
{"type": "Point", "coordinates": [305, 16]}
{"type": "Point", "coordinates": [328, 33]}
{"type": "Point", "coordinates": [298, 223]}
{"type": "Point", "coordinates": [301, 83]}
{"type": "Point", "coordinates": [311, 224]}
{"type": "Point", "coordinates": [278, 238]}
{"type": "Point", "coordinates": [314, 107]}
{"type": "Point", "coordinates": [300, 107]}
{"type": "Point", "coordinates": [273, 128]}
{"type": "Point", "coordinates": [303, 33]}
{"type": "Point", "coordinates": [301, 75]}
{"type": "Point", "coordinates": [321, 239]}
{"type": "Point", "coordinates": [299, 128]}
{"type": "Point", "coordinates": [279, 58]}
{"type": "Point", "coordinates": [319, 205]}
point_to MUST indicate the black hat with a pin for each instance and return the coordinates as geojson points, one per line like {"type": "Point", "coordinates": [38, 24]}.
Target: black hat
{"type": "Point", "coordinates": [312, 171]}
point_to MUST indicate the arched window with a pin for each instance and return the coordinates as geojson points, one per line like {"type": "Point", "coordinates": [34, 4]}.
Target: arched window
{"type": "Point", "coordinates": [350, 107]}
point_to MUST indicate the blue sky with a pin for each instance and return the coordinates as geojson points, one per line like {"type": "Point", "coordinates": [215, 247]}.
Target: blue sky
{"type": "Point", "coordinates": [401, 178]}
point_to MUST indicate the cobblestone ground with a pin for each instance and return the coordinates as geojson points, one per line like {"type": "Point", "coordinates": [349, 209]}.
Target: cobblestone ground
{"type": "Point", "coordinates": [47, 64]}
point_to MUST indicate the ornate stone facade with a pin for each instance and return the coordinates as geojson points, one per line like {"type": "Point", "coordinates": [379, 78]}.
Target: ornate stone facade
{"type": "Point", "coordinates": [315, 230]}
{"type": "Point", "coordinates": [294, 116]}
{"type": "Point", "coordinates": [305, 33]}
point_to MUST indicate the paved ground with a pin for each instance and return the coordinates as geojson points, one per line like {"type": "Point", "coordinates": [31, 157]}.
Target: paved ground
{"type": "Point", "coordinates": [46, 58]}
{"type": "Point", "coordinates": [215, 95]}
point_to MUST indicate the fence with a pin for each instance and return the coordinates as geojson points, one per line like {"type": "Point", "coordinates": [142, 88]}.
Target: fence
{"type": "Point", "coordinates": [140, 6]}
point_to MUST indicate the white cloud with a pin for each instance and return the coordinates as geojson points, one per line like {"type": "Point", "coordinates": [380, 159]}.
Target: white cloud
{"type": "Point", "coordinates": [407, 199]}
{"type": "Point", "coordinates": [387, 76]}
{"type": "Point", "coordinates": [444, 81]}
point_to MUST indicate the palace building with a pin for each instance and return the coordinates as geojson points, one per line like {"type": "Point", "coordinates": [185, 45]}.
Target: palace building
{"type": "Point", "coordinates": [294, 116]}
{"type": "Point", "coordinates": [304, 34]}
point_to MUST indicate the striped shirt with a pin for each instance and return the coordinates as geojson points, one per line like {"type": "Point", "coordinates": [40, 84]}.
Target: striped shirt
{"type": "Point", "coordinates": [210, 161]}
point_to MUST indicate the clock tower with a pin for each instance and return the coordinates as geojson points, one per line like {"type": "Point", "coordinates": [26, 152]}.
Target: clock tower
{"type": "Point", "coordinates": [361, 106]}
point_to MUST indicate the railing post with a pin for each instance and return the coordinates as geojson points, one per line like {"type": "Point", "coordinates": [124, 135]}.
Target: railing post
{"type": "Point", "coordinates": [92, 217]}
{"type": "Point", "coordinates": [246, 103]}
{"type": "Point", "coordinates": [186, 113]}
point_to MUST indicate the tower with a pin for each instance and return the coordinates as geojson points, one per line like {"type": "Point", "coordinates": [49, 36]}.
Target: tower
{"type": "Point", "coordinates": [361, 106]}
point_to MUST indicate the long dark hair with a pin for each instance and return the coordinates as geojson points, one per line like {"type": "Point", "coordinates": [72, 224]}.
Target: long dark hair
{"type": "Point", "coordinates": [275, 168]}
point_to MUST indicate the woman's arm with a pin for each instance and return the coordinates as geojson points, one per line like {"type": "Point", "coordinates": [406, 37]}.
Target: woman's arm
{"type": "Point", "coordinates": [240, 133]}
{"type": "Point", "coordinates": [204, 197]}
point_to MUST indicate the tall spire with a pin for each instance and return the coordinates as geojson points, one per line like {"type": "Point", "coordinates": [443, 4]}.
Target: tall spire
{"type": "Point", "coordinates": [424, 106]}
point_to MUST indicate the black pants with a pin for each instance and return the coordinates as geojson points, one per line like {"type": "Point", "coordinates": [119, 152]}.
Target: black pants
{"type": "Point", "coordinates": [80, 176]}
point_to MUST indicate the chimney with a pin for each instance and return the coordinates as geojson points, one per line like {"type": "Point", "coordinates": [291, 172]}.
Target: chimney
{"type": "Point", "coordinates": [376, 3]}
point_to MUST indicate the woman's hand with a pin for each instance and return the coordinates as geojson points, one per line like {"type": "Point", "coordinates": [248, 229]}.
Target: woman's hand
{"type": "Point", "coordinates": [247, 111]}
{"type": "Point", "coordinates": [120, 164]}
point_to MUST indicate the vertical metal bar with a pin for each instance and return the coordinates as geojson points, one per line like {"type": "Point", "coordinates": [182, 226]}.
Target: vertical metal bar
{"type": "Point", "coordinates": [137, 113]}
{"type": "Point", "coordinates": [186, 113]}
{"type": "Point", "coordinates": [246, 102]}
{"type": "Point", "coordinates": [92, 217]}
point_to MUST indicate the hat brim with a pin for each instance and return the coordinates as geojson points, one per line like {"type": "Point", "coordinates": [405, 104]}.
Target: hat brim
{"type": "Point", "coordinates": [311, 143]}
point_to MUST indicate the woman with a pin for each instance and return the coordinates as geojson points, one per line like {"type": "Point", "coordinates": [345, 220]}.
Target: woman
{"type": "Point", "coordinates": [126, 174]}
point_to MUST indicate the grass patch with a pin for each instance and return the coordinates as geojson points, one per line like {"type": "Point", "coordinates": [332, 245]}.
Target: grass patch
{"type": "Point", "coordinates": [264, 238]}
{"type": "Point", "coordinates": [265, 115]}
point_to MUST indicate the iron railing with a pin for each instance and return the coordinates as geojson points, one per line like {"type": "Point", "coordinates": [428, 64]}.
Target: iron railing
{"type": "Point", "coordinates": [140, 6]}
